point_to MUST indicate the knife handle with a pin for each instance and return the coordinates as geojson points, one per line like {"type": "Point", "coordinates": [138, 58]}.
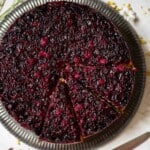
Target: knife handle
{"type": "Point", "coordinates": [134, 143]}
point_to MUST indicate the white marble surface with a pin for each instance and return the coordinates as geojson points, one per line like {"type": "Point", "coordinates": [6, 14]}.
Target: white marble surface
{"type": "Point", "coordinates": [141, 121]}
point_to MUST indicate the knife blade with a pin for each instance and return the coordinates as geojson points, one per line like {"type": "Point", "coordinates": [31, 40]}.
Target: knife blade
{"type": "Point", "coordinates": [134, 142]}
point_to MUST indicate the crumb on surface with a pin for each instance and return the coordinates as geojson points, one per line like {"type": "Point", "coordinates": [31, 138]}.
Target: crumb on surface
{"type": "Point", "coordinates": [113, 5]}
{"type": "Point", "coordinates": [128, 13]}
{"type": "Point", "coordinates": [18, 142]}
{"type": "Point", "coordinates": [147, 53]}
{"type": "Point", "coordinates": [145, 11]}
{"type": "Point", "coordinates": [142, 41]}
{"type": "Point", "coordinates": [148, 73]}
{"type": "Point", "coordinates": [128, 6]}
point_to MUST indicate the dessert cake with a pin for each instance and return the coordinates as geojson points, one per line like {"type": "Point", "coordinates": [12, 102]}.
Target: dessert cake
{"type": "Point", "coordinates": [66, 72]}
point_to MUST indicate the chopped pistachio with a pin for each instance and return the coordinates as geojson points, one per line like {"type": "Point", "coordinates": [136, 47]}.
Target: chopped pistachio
{"type": "Point", "coordinates": [142, 41]}
{"type": "Point", "coordinates": [113, 5]}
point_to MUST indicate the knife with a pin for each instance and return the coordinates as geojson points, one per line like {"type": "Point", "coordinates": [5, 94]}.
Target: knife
{"type": "Point", "coordinates": [134, 142]}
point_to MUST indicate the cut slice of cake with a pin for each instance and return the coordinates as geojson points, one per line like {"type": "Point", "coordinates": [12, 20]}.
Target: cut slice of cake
{"type": "Point", "coordinates": [60, 124]}
{"type": "Point", "coordinates": [114, 84]}
{"type": "Point", "coordinates": [93, 115]}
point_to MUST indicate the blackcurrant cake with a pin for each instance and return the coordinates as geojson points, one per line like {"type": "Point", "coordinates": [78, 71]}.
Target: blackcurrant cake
{"type": "Point", "coordinates": [66, 72]}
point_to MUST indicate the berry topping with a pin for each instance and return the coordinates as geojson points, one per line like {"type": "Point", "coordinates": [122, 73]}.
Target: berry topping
{"type": "Point", "coordinates": [44, 41]}
{"type": "Point", "coordinates": [65, 72]}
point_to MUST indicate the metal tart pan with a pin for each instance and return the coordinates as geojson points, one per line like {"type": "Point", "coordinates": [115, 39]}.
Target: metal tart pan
{"type": "Point", "coordinates": [138, 59]}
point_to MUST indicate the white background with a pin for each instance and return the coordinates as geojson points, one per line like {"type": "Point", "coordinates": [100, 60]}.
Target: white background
{"type": "Point", "coordinates": [141, 121]}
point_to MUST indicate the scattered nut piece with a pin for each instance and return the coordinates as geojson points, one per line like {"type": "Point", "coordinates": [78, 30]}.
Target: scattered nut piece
{"type": "Point", "coordinates": [142, 41]}
{"type": "Point", "coordinates": [113, 5]}
{"type": "Point", "coordinates": [128, 13]}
